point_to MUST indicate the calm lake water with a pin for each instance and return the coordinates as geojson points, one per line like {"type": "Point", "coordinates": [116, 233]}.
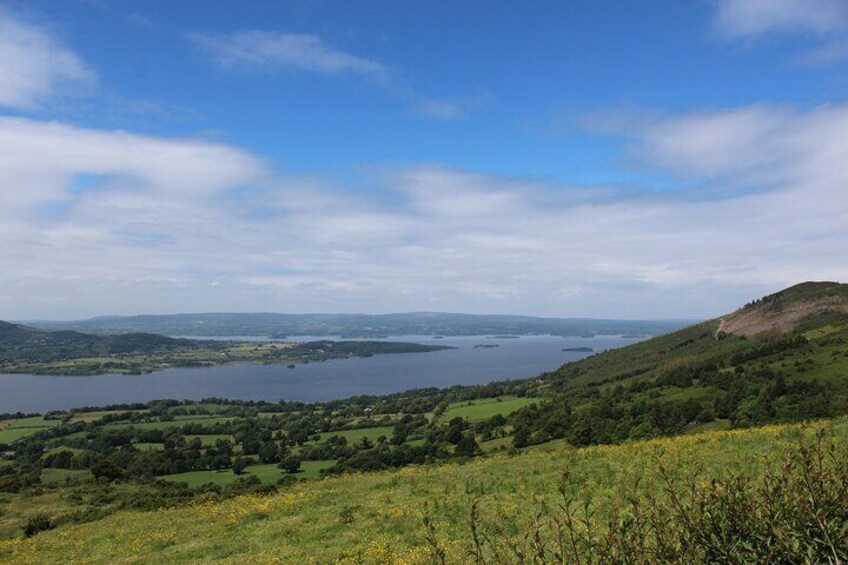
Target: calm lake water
{"type": "Point", "coordinates": [514, 358]}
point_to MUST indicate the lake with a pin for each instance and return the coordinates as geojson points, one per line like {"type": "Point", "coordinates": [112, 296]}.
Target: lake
{"type": "Point", "coordinates": [514, 358]}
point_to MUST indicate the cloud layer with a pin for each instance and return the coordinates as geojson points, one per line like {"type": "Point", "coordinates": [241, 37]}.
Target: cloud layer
{"type": "Point", "coordinates": [149, 224]}
{"type": "Point", "coordinates": [97, 221]}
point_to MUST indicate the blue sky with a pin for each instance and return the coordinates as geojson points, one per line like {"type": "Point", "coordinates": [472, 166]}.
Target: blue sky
{"type": "Point", "coordinates": [616, 159]}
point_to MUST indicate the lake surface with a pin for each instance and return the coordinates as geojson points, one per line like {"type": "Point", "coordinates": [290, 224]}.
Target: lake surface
{"type": "Point", "coordinates": [514, 358]}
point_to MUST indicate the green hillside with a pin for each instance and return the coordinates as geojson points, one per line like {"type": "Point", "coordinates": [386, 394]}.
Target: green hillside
{"type": "Point", "coordinates": [703, 376]}
{"type": "Point", "coordinates": [21, 343]}
{"type": "Point", "coordinates": [505, 509]}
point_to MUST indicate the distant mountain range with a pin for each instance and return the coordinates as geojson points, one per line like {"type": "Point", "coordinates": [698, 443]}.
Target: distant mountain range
{"type": "Point", "coordinates": [359, 325]}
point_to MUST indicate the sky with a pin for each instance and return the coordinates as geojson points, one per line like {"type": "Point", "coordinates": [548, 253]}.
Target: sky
{"type": "Point", "coordinates": [592, 158]}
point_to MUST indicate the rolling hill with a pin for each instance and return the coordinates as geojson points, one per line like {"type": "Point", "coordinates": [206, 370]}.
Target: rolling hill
{"type": "Point", "coordinates": [19, 343]}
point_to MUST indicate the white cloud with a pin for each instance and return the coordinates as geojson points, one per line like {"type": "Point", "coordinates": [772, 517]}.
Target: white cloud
{"type": "Point", "coordinates": [263, 50]}
{"type": "Point", "coordinates": [140, 21]}
{"type": "Point", "coordinates": [266, 51]}
{"type": "Point", "coordinates": [158, 221]}
{"type": "Point", "coordinates": [750, 18]}
{"type": "Point", "coordinates": [823, 22]}
{"type": "Point", "coordinates": [440, 109]}
{"type": "Point", "coordinates": [35, 66]}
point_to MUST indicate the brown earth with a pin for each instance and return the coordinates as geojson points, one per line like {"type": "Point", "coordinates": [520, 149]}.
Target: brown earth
{"type": "Point", "coordinates": [762, 319]}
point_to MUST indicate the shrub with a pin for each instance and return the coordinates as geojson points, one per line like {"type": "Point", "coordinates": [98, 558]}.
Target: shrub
{"type": "Point", "coordinates": [37, 523]}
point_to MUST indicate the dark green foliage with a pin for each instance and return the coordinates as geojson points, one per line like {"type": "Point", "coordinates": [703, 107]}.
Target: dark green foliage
{"type": "Point", "coordinates": [37, 523]}
{"type": "Point", "coordinates": [290, 465]}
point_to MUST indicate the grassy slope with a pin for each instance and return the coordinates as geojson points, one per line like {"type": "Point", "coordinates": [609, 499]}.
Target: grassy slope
{"type": "Point", "coordinates": [484, 408]}
{"type": "Point", "coordinates": [303, 523]}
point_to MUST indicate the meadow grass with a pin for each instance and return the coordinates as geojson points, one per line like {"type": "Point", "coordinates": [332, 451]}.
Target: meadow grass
{"type": "Point", "coordinates": [177, 421]}
{"type": "Point", "coordinates": [209, 440]}
{"type": "Point", "coordinates": [11, 430]}
{"type": "Point", "coordinates": [142, 446]}
{"type": "Point", "coordinates": [59, 476]}
{"type": "Point", "coordinates": [378, 517]}
{"type": "Point", "coordinates": [267, 473]}
{"type": "Point", "coordinates": [485, 408]}
{"type": "Point", "coordinates": [353, 436]}
{"type": "Point", "coordinates": [98, 414]}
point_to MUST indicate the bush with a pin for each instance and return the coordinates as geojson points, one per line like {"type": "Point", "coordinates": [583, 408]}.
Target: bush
{"type": "Point", "coordinates": [37, 523]}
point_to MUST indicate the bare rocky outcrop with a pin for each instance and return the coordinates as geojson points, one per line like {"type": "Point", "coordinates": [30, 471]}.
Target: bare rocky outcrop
{"type": "Point", "coordinates": [768, 318]}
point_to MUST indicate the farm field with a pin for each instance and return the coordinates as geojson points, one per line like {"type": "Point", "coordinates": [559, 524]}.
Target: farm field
{"type": "Point", "coordinates": [267, 474]}
{"type": "Point", "coordinates": [12, 430]}
{"type": "Point", "coordinates": [484, 408]}
{"type": "Point", "coordinates": [352, 436]}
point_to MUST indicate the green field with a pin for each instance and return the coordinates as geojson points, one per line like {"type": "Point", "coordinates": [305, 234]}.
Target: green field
{"type": "Point", "coordinates": [98, 414]}
{"type": "Point", "coordinates": [376, 518]}
{"type": "Point", "coordinates": [353, 436]}
{"type": "Point", "coordinates": [485, 408]}
{"type": "Point", "coordinates": [177, 421]}
{"type": "Point", "coordinates": [11, 430]}
{"type": "Point", "coordinates": [268, 474]}
{"type": "Point", "coordinates": [141, 446]}
{"type": "Point", "coordinates": [209, 440]}
{"type": "Point", "coordinates": [59, 476]}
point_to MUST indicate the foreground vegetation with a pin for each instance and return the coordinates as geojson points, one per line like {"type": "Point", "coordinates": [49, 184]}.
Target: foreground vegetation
{"type": "Point", "coordinates": [715, 496]}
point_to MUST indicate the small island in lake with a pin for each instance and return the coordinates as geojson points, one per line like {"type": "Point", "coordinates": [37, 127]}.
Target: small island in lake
{"type": "Point", "coordinates": [582, 349]}
{"type": "Point", "coordinates": [486, 346]}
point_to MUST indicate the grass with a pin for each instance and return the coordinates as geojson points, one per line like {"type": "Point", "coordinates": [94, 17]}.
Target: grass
{"type": "Point", "coordinates": [356, 435]}
{"type": "Point", "coordinates": [12, 430]}
{"type": "Point", "coordinates": [496, 444]}
{"type": "Point", "coordinates": [141, 446]}
{"type": "Point", "coordinates": [268, 474]}
{"type": "Point", "coordinates": [485, 408]}
{"type": "Point", "coordinates": [378, 517]}
{"type": "Point", "coordinates": [177, 421]}
{"type": "Point", "coordinates": [209, 440]}
{"type": "Point", "coordinates": [60, 476]}
{"type": "Point", "coordinates": [98, 414]}
{"type": "Point", "coordinates": [59, 448]}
